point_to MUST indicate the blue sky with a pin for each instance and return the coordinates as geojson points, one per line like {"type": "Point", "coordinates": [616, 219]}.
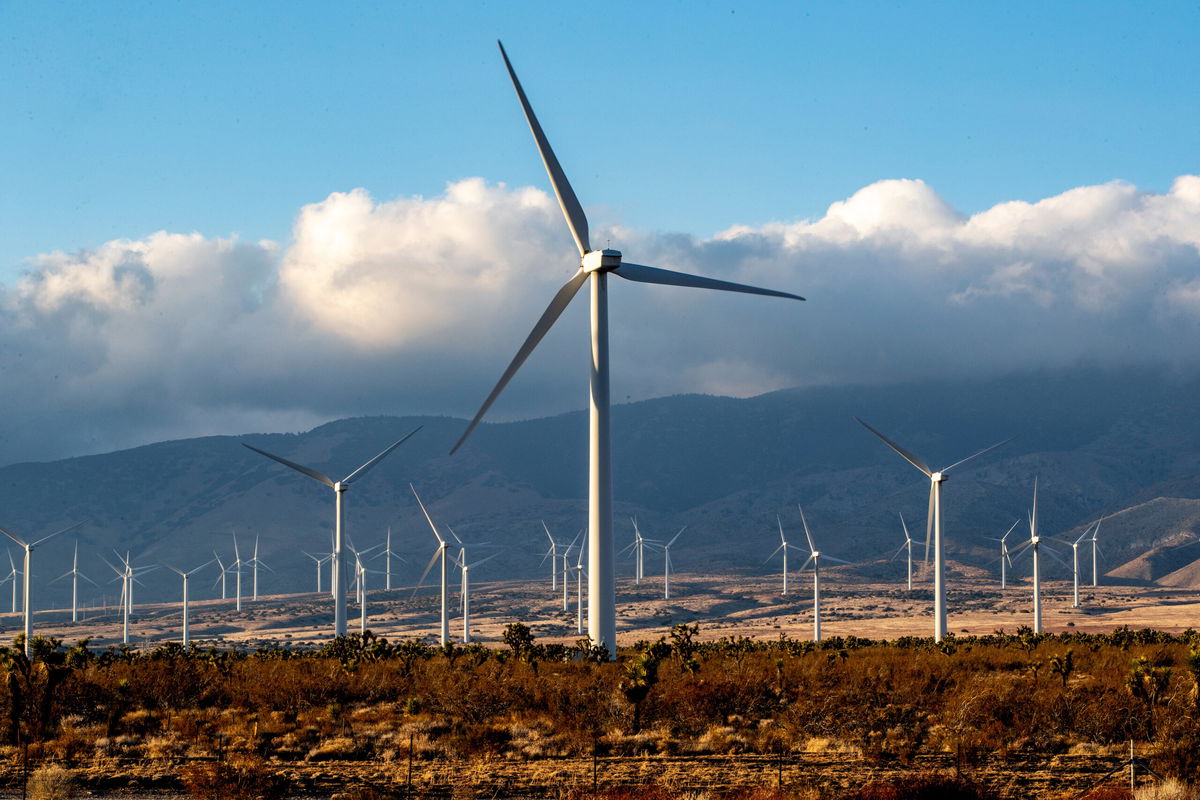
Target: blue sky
{"type": "Point", "coordinates": [122, 119]}
{"type": "Point", "coordinates": [223, 217]}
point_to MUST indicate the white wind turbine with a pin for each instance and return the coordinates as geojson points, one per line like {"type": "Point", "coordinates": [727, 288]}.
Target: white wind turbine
{"type": "Point", "coordinates": [461, 561]}
{"type": "Point", "coordinates": [1034, 545]}
{"type": "Point", "coordinates": [75, 575]}
{"type": "Point", "coordinates": [784, 546]}
{"type": "Point", "coordinates": [666, 549]}
{"type": "Point", "coordinates": [1075, 563]}
{"type": "Point", "coordinates": [255, 562]}
{"type": "Point", "coordinates": [594, 268]}
{"type": "Point", "coordinates": [908, 543]}
{"type": "Point", "coordinates": [1095, 550]}
{"type": "Point", "coordinates": [1005, 555]}
{"type": "Point", "coordinates": [360, 585]}
{"type": "Point", "coordinates": [221, 578]}
{"type": "Point", "coordinates": [933, 522]}
{"type": "Point", "coordinates": [29, 547]}
{"type": "Point", "coordinates": [185, 576]}
{"type": "Point", "coordinates": [440, 552]}
{"type": "Point", "coordinates": [236, 569]}
{"type": "Point", "coordinates": [814, 556]}
{"type": "Point", "coordinates": [339, 489]}
{"type": "Point", "coordinates": [566, 557]}
{"type": "Point", "coordinates": [13, 572]}
{"type": "Point", "coordinates": [320, 562]}
{"type": "Point", "coordinates": [388, 554]}
{"type": "Point", "coordinates": [553, 555]}
{"type": "Point", "coordinates": [127, 576]}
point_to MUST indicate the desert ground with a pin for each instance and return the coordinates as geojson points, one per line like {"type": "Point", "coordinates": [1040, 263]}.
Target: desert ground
{"type": "Point", "coordinates": [722, 605]}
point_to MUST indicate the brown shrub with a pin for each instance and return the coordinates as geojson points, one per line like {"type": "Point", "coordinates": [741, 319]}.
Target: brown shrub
{"type": "Point", "coordinates": [928, 786]}
{"type": "Point", "coordinates": [243, 779]}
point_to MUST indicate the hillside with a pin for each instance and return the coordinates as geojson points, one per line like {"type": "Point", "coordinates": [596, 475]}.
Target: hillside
{"type": "Point", "coordinates": [725, 467]}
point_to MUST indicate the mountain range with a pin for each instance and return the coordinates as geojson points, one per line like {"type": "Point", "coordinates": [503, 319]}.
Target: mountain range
{"type": "Point", "coordinates": [1123, 444]}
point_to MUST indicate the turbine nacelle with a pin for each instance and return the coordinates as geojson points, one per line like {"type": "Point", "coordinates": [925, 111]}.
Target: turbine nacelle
{"type": "Point", "coordinates": [938, 477]}
{"type": "Point", "coordinates": [600, 260]}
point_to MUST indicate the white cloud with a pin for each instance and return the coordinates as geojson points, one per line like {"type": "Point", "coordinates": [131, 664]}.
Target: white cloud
{"type": "Point", "coordinates": [416, 305]}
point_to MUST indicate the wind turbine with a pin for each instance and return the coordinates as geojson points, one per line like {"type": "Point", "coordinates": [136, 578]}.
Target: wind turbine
{"type": "Point", "coordinates": [185, 576]}
{"type": "Point", "coordinates": [908, 543]}
{"type": "Point", "coordinates": [1034, 545]}
{"type": "Point", "coordinates": [784, 546]}
{"type": "Point", "coordinates": [566, 555]}
{"type": "Point", "coordinates": [388, 554]}
{"type": "Point", "coordinates": [666, 548]}
{"type": "Point", "coordinates": [29, 548]}
{"type": "Point", "coordinates": [933, 522]}
{"type": "Point", "coordinates": [256, 563]}
{"type": "Point", "coordinates": [75, 576]}
{"type": "Point", "coordinates": [553, 555]}
{"type": "Point", "coordinates": [440, 552]}
{"type": "Point", "coordinates": [1075, 563]}
{"type": "Point", "coordinates": [466, 568]}
{"type": "Point", "coordinates": [320, 561]}
{"type": "Point", "coordinates": [1005, 556]}
{"type": "Point", "coordinates": [1095, 549]}
{"type": "Point", "coordinates": [221, 579]}
{"type": "Point", "coordinates": [127, 577]}
{"type": "Point", "coordinates": [594, 268]}
{"type": "Point", "coordinates": [12, 576]}
{"type": "Point", "coordinates": [814, 556]}
{"type": "Point", "coordinates": [339, 489]}
{"type": "Point", "coordinates": [236, 568]}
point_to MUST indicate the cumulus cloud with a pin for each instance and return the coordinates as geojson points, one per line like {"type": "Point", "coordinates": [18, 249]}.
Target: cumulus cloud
{"type": "Point", "coordinates": [415, 305]}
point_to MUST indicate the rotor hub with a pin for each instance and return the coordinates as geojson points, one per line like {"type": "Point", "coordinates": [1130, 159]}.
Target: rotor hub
{"type": "Point", "coordinates": [937, 477]}
{"type": "Point", "coordinates": [600, 260]}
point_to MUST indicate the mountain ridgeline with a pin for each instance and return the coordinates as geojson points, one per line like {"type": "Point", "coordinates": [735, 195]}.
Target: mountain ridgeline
{"type": "Point", "coordinates": [1100, 442]}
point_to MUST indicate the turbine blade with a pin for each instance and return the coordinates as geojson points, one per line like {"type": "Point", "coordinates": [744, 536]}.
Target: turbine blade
{"type": "Point", "coordinates": [977, 455]}
{"type": "Point", "coordinates": [834, 560]}
{"type": "Point", "coordinates": [482, 560]}
{"type": "Point", "coordinates": [428, 567]}
{"type": "Point", "coordinates": [367, 467]}
{"type": "Point", "coordinates": [812, 547]}
{"type": "Point", "coordinates": [907, 456]}
{"type": "Point", "coordinates": [572, 210]}
{"type": "Point", "coordinates": [667, 277]}
{"type": "Point", "coordinates": [782, 538]}
{"type": "Point", "coordinates": [56, 533]}
{"type": "Point", "coordinates": [806, 563]}
{"type": "Point", "coordinates": [898, 552]}
{"type": "Point", "coordinates": [13, 536]}
{"type": "Point", "coordinates": [904, 525]}
{"type": "Point", "coordinates": [428, 518]}
{"type": "Point", "coordinates": [89, 580]}
{"type": "Point", "coordinates": [312, 473]}
{"type": "Point", "coordinates": [553, 311]}
{"type": "Point", "coordinates": [681, 530]}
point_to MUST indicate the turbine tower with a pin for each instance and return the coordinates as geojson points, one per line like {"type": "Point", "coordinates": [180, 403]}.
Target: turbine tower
{"type": "Point", "coordinates": [814, 556]}
{"type": "Point", "coordinates": [388, 554]}
{"type": "Point", "coordinates": [13, 572]}
{"type": "Point", "coordinates": [466, 568]}
{"type": "Point", "coordinates": [1095, 550]}
{"type": "Point", "coordinates": [440, 552]}
{"type": "Point", "coordinates": [594, 268]}
{"type": "Point", "coordinates": [320, 562]}
{"type": "Point", "coordinates": [339, 489]}
{"type": "Point", "coordinates": [185, 575]}
{"type": "Point", "coordinates": [29, 548]}
{"type": "Point", "coordinates": [933, 522]}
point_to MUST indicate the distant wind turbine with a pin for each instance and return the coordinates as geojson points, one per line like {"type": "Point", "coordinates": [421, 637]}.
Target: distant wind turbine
{"type": "Point", "coordinates": [1034, 546]}
{"type": "Point", "coordinates": [466, 568]}
{"type": "Point", "coordinates": [440, 552]}
{"type": "Point", "coordinates": [388, 554]}
{"type": "Point", "coordinates": [1005, 555]}
{"type": "Point", "coordinates": [784, 546]}
{"type": "Point", "coordinates": [594, 268]}
{"type": "Point", "coordinates": [933, 522]}
{"type": "Point", "coordinates": [579, 573]}
{"type": "Point", "coordinates": [552, 554]}
{"type": "Point", "coordinates": [908, 543]}
{"type": "Point", "coordinates": [12, 576]}
{"type": "Point", "coordinates": [1095, 550]}
{"type": "Point", "coordinates": [26, 601]}
{"type": "Point", "coordinates": [236, 567]}
{"type": "Point", "coordinates": [221, 578]}
{"type": "Point", "coordinates": [666, 550]}
{"type": "Point", "coordinates": [75, 575]}
{"type": "Point", "coordinates": [185, 575]}
{"type": "Point", "coordinates": [1075, 563]}
{"type": "Point", "coordinates": [255, 562]}
{"type": "Point", "coordinates": [814, 557]}
{"type": "Point", "coordinates": [320, 561]}
{"type": "Point", "coordinates": [339, 489]}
